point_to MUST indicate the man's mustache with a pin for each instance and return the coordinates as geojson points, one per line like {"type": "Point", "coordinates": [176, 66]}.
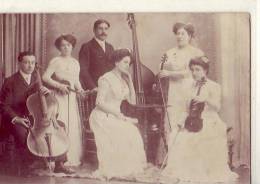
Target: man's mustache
{"type": "Point", "coordinates": [103, 34]}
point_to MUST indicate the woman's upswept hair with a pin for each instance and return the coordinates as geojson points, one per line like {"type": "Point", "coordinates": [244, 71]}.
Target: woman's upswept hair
{"type": "Point", "coordinates": [68, 37]}
{"type": "Point", "coordinates": [202, 61]}
{"type": "Point", "coordinates": [188, 27]}
{"type": "Point", "coordinates": [119, 54]}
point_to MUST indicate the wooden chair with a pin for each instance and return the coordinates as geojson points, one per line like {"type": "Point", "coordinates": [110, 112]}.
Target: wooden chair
{"type": "Point", "coordinates": [231, 144]}
{"type": "Point", "coordinates": [86, 105]}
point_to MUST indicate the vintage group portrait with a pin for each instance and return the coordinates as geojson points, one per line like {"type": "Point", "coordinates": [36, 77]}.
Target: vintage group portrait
{"type": "Point", "coordinates": [125, 97]}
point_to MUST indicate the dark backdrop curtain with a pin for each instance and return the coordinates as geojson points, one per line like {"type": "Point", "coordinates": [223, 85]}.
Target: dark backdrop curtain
{"type": "Point", "coordinates": [20, 32]}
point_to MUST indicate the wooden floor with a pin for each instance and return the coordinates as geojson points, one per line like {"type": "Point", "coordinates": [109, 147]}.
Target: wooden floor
{"type": "Point", "coordinates": [8, 179]}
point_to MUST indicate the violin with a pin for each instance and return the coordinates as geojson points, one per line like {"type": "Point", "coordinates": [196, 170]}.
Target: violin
{"type": "Point", "coordinates": [47, 136]}
{"type": "Point", "coordinates": [194, 122]}
{"type": "Point", "coordinates": [162, 85]}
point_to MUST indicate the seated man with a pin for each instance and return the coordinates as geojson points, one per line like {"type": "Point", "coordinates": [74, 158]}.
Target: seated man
{"type": "Point", "coordinates": [14, 93]}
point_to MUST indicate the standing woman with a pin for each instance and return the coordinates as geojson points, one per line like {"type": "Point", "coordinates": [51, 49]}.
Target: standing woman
{"type": "Point", "coordinates": [176, 69]}
{"type": "Point", "coordinates": [62, 74]}
{"type": "Point", "coordinates": [201, 156]}
{"type": "Point", "coordinates": [120, 148]}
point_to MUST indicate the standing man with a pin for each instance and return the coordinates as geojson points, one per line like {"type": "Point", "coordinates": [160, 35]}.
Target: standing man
{"type": "Point", "coordinates": [94, 56]}
{"type": "Point", "coordinates": [13, 96]}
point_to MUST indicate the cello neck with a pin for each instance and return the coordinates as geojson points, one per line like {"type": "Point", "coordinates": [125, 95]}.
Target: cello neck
{"type": "Point", "coordinates": [44, 106]}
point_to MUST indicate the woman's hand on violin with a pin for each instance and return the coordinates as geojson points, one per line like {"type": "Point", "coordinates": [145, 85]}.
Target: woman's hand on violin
{"type": "Point", "coordinates": [164, 73]}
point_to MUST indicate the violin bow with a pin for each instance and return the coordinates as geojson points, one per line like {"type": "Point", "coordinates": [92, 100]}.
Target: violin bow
{"type": "Point", "coordinates": [164, 59]}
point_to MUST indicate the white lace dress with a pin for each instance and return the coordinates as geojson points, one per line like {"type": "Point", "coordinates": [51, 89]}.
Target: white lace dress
{"type": "Point", "coordinates": [67, 69]}
{"type": "Point", "coordinates": [201, 156]}
{"type": "Point", "coordinates": [177, 60]}
{"type": "Point", "coordinates": [120, 148]}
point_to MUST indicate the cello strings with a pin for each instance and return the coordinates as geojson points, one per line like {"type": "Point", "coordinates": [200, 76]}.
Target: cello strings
{"type": "Point", "coordinates": [37, 147]}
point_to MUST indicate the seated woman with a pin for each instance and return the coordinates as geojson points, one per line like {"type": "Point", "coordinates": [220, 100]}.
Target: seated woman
{"type": "Point", "coordinates": [201, 156]}
{"type": "Point", "coordinates": [120, 148]}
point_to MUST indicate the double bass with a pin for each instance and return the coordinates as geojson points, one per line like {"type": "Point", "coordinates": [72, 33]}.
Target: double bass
{"type": "Point", "coordinates": [144, 80]}
{"type": "Point", "coordinates": [47, 137]}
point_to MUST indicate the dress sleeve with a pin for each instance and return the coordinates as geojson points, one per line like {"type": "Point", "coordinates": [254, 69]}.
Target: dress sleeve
{"type": "Point", "coordinates": [102, 95]}
{"type": "Point", "coordinates": [199, 52]}
{"type": "Point", "coordinates": [214, 97]}
{"type": "Point", "coordinates": [103, 87]}
{"type": "Point", "coordinates": [47, 76]}
{"type": "Point", "coordinates": [77, 82]}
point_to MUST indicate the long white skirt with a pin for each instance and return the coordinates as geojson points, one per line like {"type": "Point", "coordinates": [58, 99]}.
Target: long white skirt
{"type": "Point", "coordinates": [202, 156]}
{"type": "Point", "coordinates": [69, 114]}
{"type": "Point", "coordinates": [120, 148]}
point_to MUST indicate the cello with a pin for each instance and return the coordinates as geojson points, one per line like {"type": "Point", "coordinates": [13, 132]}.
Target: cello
{"type": "Point", "coordinates": [47, 137]}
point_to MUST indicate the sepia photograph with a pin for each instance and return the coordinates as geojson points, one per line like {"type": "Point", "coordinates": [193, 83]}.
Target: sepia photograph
{"type": "Point", "coordinates": [125, 97]}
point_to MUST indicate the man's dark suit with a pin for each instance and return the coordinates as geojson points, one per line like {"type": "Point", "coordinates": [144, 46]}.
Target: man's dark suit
{"type": "Point", "coordinates": [13, 96]}
{"type": "Point", "coordinates": [94, 62]}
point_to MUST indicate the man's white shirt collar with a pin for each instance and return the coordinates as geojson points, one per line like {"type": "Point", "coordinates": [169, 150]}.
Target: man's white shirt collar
{"type": "Point", "coordinates": [27, 77]}
{"type": "Point", "coordinates": [101, 43]}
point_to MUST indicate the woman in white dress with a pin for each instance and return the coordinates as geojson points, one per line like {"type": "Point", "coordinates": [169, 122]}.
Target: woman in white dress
{"type": "Point", "coordinates": [62, 75]}
{"type": "Point", "coordinates": [176, 69]}
{"type": "Point", "coordinates": [201, 156]}
{"type": "Point", "coordinates": [120, 148]}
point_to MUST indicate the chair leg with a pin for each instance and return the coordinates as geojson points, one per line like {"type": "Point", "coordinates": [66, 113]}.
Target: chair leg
{"type": "Point", "coordinates": [230, 155]}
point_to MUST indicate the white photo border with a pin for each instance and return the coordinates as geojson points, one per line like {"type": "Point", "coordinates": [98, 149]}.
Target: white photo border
{"type": "Point", "coordinates": [249, 6]}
